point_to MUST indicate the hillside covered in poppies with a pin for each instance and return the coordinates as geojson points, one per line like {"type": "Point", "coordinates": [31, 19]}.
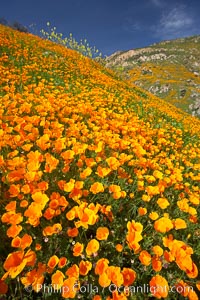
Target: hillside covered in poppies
{"type": "Point", "coordinates": [100, 188]}
{"type": "Point", "coordinates": [169, 69]}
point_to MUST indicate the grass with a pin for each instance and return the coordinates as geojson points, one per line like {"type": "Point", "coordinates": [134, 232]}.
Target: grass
{"type": "Point", "coordinates": [99, 181]}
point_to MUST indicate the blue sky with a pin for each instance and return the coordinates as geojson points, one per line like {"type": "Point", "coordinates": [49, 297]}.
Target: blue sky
{"type": "Point", "coordinates": [110, 25]}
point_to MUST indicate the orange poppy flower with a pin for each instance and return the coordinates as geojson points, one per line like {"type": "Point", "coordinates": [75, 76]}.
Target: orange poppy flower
{"type": "Point", "coordinates": [27, 147]}
{"type": "Point", "coordinates": [49, 213]}
{"type": "Point", "coordinates": [13, 230]}
{"type": "Point", "coordinates": [102, 172]}
{"type": "Point", "coordinates": [150, 178]}
{"type": "Point", "coordinates": [179, 224]}
{"type": "Point", "coordinates": [43, 142]}
{"type": "Point", "coordinates": [53, 261]}
{"type": "Point", "coordinates": [5, 218]}
{"type": "Point", "coordinates": [68, 187]}
{"type": "Point", "coordinates": [117, 195]}
{"type": "Point", "coordinates": [40, 198]}
{"type": "Point", "coordinates": [198, 285]}
{"type": "Point", "coordinates": [146, 198]}
{"type": "Point", "coordinates": [192, 211]}
{"type": "Point", "coordinates": [102, 233]}
{"type": "Point", "coordinates": [157, 250]}
{"type": "Point", "coordinates": [113, 163]}
{"type": "Point", "coordinates": [16, 242]}
{"type": "Point", "coordinates": [84, 267]}
{"type": "Point", "coordinates": [129, 276]}
{"type": "Point", "coordinates": [35, 277]}
{"type": "Point", "coordinates": [79, 185]}
{"type": "Point", "coordinates": [16, 262]}
{"type": "Point", "coordinates": [70, 287]}
{"type": "Point", "coordinates": [23, 203]}
{"type": "Point", "coordinates": [104, 280]}
{"type": "Point", "coordinates": [101, 266]}
{"type": "Point", "coordinates": [96, 188]}
{"type": "Point", "coordinates": [156, 263]}
{"type": "Point", "coordinates": [78, 249]}
{"type": "Point", "coordinates": [57, 279]}
{"type": "Point", "coordinates": [26, 241]}
{"type": "Point", "coordinates": [85, 193]}
{"type": "Point", "coordinates": [43, 186]}
{"type": "Point", "coordinates": [163, 203]}
{"type": "Point", "coordinates": [51, 162]}
{"type": "Point", "coordinates": [57, 227]}
{"type": "Point", "coordinates": [152, 190]}
{"type": "Point", "coordinates": [38, 247]}
{"type": "Point", "coordinates": [118, 296]}
{"type": "Point", "coordinates": [163, 225]}
{"type": "Point", "coordinates": [157, 174]}
{"type": "Point", "coordinates": [63, 202]}
{"type": "Point", "coordinates": [182, 288]}
{"type": "Point", "coordinates": [25, 189]}
{"type": "Point", "coordinates": [61, 184]}
{"type": "Point", "coordinates": [193, 219]}
{"type": "Point", "coordinates": [54, 204]}
{"type": "Point", "coordinates": [68, 154]}
{"type": "Point", "coordinates": [59, 144]}
{"type": "Point", "coordinates": [123, 194]}
{"type": "Point", "coordinates": [194, 199]}
{"type": "Point", "coordinates": [14, 190]}
{"type": "Point", "coordinates": [34, 212]}
{"type": "Point", "coordinates": [115, 275]}
{"type": "Point", "coordinates": [86, 173]}
{"type": "Point", "coordinates": [192, 273]}
{"type": "Point", "coordinates": [87, 217]}
{"type": "Point", "coordinates": [192, 295]}
{"type": "Point", "coordinates": [134, 235]}
{"type": "Point", "coordinates": [72, 232]}
{"type": "Point", "coordinates": [119, 247]}
{"type": "Point", "coordinates": [92, 247]}
{"type": "Point", "coordinates": [16, 218]}
{"type": "Point", "coordinates": [153, 216]}
{"type": "Point", "coordinates": [97, 297]}
{"type": "Point", "coordinates": [145, 258]}
{"type": "Point", "coordinates": [11, 206]}
{"type": "Point", "coordinates": [142, 211]}
{"type": "Point", "coordinates": [168, 241]}
{"type": "Point", "coordinates": [73, 271]}
{"type": "Point", "coordinates": [168, 256]}
{"type": "Point", "coordinates": [140, 186]}
{"type": "Point", "coordinates": [70, 215]}
{"type": "Point", "coordinates": [76, 194]}
{"type": "Point", "coordinates": [113, 188]}
{"type": "Point", "coordinates": [62, 262]}
{"type": "Point", "coordinates": [159, 287]}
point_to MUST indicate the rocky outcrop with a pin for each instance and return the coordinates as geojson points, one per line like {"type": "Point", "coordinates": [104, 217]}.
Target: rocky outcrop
{"type": "Point", "coordinates": [195, 108]}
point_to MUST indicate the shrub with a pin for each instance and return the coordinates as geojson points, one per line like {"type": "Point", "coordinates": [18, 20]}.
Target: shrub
{"type": "Point", "coordinates": [70, 42]}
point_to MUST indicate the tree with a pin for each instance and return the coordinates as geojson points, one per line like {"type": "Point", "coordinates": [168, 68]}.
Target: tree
{"type": "Point", "coordinates": [18, 26]}
{"type": "Point", "coordinates": [3, 21]}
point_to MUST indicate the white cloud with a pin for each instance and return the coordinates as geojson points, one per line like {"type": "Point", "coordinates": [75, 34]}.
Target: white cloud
{"type": "Point", "coordinates": [175, 23]}
{"type": "Point", "coordinates": [175, 20]}
{"type": "Point", "coordinates": [158, 3]}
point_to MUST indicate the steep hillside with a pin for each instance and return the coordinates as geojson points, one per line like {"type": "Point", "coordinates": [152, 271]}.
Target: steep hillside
{"type": "Point", "coordinates": [99, 181]}
{"type": "Point", "coordinates": [170, 70]}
